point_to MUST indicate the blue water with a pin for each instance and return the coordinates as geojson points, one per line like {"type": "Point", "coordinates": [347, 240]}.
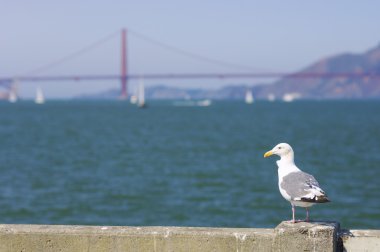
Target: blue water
{"type": "Point", "coordinates": [109, 163]}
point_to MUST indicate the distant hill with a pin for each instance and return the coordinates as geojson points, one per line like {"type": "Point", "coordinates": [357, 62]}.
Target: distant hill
{"type": "Point", "coordinates": [299, 88]}
{"type": "Point", "coordinates": [332, 88]}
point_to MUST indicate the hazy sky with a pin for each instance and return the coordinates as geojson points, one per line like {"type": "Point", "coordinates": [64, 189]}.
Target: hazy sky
{"type": "Point", "coordinates": [263, 35]}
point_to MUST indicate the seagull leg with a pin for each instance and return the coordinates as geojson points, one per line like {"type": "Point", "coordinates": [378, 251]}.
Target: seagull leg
{"type": "Point", "coordinates": [293, 214]}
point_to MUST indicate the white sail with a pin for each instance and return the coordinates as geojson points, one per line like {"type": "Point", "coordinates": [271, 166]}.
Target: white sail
{"type": "Point", "coordinates": [133, 99]}
{"type": "Point", "coordinates": [12, 97]}
{"type": "Point", "coordinates": [40, 99]}
{"type": "Point", "coordinates": [248, 97]}
{"type": "Point", "coordinates": [141, 94]}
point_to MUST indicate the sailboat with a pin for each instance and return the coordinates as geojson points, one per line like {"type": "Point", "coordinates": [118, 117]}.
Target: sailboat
{"type": "Point", "coordinates": [204, 103]}
{"type": "Point", "coordinates": [12, 97]}
{"type": "Point", "coordinates": [248, 97]}
{"type": "Point", "coordinates": [133, 99]}
{"type": "Point", "coordinates": [271, 97]}
{"type": "Point", "coordinates": [141, 95]}
{"type": "Point", "coordinates": [40, 99]}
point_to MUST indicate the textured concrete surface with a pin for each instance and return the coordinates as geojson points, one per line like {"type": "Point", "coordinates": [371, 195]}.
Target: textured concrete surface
{"type": "Point", "coordinates": [101, 238]}
{"type": "Point", "coordinates": [285, 237]}
{"type": "Point", "coordinates": [360, 240]}
{"type": "Point", "coordinates": [303, 236]}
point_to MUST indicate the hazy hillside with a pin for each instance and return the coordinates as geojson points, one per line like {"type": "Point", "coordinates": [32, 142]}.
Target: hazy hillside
{"type": "Point", "coordinates": [328, 88]}
{"type": "Point", "coordinates": [303, 88]}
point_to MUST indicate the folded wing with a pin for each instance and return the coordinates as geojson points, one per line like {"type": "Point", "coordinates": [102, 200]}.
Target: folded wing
{"type": "Point", "coordinates": [302, 186]}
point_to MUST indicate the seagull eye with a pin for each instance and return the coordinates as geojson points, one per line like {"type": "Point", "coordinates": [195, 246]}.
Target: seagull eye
{"type": "Point", "coordinates": [279, 147]}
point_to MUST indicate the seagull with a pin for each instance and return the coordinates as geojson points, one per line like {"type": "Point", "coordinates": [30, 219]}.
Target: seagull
{"type": "Point", "coordinates": [299, 188]}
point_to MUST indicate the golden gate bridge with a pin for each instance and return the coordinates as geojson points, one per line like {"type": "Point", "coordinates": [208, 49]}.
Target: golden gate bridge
{"type": "Point", "coordinates": [125, 76]}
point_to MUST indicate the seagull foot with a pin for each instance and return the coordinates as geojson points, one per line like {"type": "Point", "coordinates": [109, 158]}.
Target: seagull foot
{"type": "Point", "coordinates": [296, 221]}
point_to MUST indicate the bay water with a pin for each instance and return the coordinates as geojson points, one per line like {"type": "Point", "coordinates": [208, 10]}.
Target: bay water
{"type": "Point", "coordinates": [110, 163]}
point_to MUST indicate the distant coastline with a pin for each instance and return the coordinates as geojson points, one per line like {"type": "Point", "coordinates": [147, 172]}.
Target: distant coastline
{"type": "Point", "coordinates": [339, 87]}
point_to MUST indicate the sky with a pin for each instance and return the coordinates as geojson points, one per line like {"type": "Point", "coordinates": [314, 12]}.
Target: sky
{"type": "Point", "coordinates": [251, 36]}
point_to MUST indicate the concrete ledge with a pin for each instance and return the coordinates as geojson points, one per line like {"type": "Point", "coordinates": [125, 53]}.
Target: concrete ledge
{"type": "Point", "coordinates": [102, 238]}
{"type": "Point", "coordinates": [360, 240]}
{"type": "Point", "coordinates": [286, 237]}
{"type": "Point", "coordinates": [303, 236]}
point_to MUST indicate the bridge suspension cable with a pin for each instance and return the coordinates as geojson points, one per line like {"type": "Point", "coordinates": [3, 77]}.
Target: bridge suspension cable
{"type": "Point", "coordinates": [71, 56]}
{"type": "Point", "coordinates": [190, 54]}
{"type": "Point", "coordinates": [33, 75]}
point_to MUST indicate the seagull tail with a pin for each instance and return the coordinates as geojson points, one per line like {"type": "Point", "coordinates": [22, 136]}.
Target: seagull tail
{"type": "Point", "coordinates": [322, 199]}
{"type": "Point", "coordinates": [316, 199]}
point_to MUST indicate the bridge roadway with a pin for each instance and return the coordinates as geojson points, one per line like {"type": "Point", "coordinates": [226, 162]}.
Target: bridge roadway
{"type": "Point", "coordinates": [328, 75]}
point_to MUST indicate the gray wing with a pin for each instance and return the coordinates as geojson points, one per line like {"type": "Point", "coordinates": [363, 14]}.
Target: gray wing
{"type": "Point", "coordinates": [302, 186]}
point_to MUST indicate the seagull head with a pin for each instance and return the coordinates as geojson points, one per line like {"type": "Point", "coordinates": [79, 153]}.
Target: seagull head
{"type": "Point", "coordinates": [281, 149]}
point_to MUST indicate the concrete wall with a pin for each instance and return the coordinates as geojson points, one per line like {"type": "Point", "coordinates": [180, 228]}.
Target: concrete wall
{"type": "Point", "coordinates": [360, 240]}
{"type": "Point", "coordinates": [317, 236]}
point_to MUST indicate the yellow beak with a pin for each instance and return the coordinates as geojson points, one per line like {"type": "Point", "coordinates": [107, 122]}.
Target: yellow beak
{"type": "Point", "coordinates": [268, 153]}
